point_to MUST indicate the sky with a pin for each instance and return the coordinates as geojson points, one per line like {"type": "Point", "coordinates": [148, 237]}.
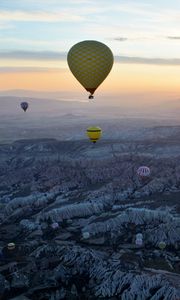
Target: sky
{"type": "Point", "coordinates": [144, 36]}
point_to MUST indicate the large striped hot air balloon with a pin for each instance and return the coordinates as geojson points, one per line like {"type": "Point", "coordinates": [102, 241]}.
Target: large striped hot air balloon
{"type": "Point", "coordinates": [94, 133]}
{"type": "Point", "coordinates": [90, 62]}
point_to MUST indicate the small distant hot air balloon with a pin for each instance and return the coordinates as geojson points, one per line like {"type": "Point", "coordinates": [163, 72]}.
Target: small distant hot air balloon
{"type": "Point", "coordinates": [143, 172]}
{"type": "Point", "coordinates": [162, 245]}
{"type": "Point", "coordinates": [139, 239]}
{"type": "Point", "coordinates": [86, 235]}
{"type": "Point", "coordinates": [90, 62]}
{"type": "Point", "coordinates": [139, 236]}
{"type": "Point", "coordinates": [94, 133]}
{"type": "Point", "coordinates": [139, 242]}
{"type": "Point", "coordinates": [11, 246]}
{"type": "Point", "coordinates": [9, 251]}
{"type": "Point", "coordinates": [55, 225]}
{"type": "Point", "coordinates": [24, 105]}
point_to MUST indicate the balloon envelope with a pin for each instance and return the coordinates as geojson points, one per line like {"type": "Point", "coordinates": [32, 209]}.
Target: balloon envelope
{"type": "Point", "coordinates": [143, 171]}
{"type": "Point", "coordinates": [85, 235]}
{"type": "Point", "coordinates": [139, 236]}
{"type": "Point", "coordinates": [139, 242]}
{"type": "Point", "coordinates": [94, 133]}
{"type": "Point", "coordinates": [24, 105]}
{"type": "Point", "coordinates": [55, 225]}
{"type": "Point", "coordinates": [90, 62]}
{"type": "Point", "coordinates": [162, 245]}
{"type": "Point", "coordinates": [11, 246]}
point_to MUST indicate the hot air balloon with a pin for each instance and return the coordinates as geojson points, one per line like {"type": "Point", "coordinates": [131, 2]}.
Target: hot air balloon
{"type": "Point", "coordinates": [9, 251]}
{"type": "Point", "coordinates": [55, 225]}
{"type": "Point", "coordinates": [11, 246]}
{"type": "Point", "coordinates": [94, 133]}
{"type": "Point", "coordinates": [139, 236]}
{"type": "Point", "coordinates": [162, 245]}
{"type": "Point", "coordinates": [139, 242]}
{"type": "Point", "coordinates": [143, 172]}
{"type": "Point", "coordinates": [12, 252]}
{"type": "Point", "coordinates": [90, 62]}
{"type": "Point", "coordinates": [86, 235]}
{"type": "Point", "coordinates": [24, 105]}
{"type": "Point", "coordinates": [139, 239]}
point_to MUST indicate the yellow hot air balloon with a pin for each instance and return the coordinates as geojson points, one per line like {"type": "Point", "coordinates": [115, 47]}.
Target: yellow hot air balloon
{"type": "Point", "coordinates": [90, 62]}
{"type": "Point", "coordinates": [94, 133]}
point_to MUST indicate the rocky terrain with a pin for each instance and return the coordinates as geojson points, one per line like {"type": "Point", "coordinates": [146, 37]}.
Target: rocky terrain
{"type": "Point", "coordinates": [73, 210]}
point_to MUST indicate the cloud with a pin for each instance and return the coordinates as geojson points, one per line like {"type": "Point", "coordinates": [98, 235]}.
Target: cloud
{"type": "Point", "coordinates": [120, 39]}
{"type": "Point", "coordinates": [30, 43]}
{"type": "Point", "coordinates": [77, 2]}
{"type": "Point", "coordinates": [148, 61]}
{"type": "Point", "coordinates": [33, 55]}
{"type": "Point", "coordinates": [5, 25]}
{"type": "Point", "coordinates": [62, 56]}
{"type": "Point", "coordinates": [39, 16]}
{"type": "Point", "coordinates": [30, 69]}
{"type": "Point", "coordinates": [173, 37]}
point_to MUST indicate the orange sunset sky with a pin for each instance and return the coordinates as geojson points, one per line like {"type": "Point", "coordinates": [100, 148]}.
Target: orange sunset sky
{"type": "Point", "coordinates": [143, 35]}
